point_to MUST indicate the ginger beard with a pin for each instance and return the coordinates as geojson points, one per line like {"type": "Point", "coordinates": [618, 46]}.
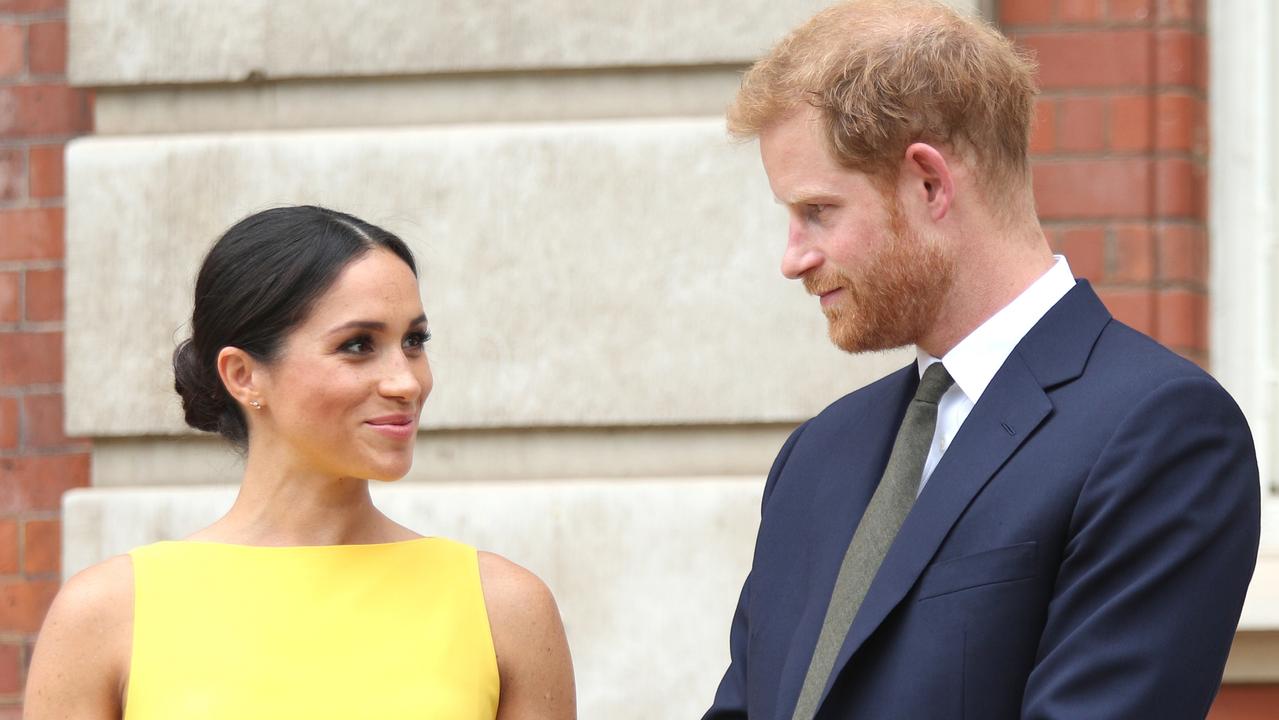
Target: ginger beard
{"type": "Point", "coordinates": [894, 297]}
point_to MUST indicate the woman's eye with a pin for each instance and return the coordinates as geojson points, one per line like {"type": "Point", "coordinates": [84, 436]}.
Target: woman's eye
{"type": "Point", "coordinates": [358, 346]}
{"type": "Point", "coordinates": [415, 340]}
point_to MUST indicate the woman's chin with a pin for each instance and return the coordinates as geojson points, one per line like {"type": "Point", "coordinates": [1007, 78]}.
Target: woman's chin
{"type": "Point", "coordinates": [387, 479]}
{"type": "Point", "coordinates": [391, 471]}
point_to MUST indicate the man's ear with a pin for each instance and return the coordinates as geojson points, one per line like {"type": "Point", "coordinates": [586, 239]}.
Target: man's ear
{"type": "Point", "coordinates": [241, 374]}
{"type": "Point", "coordinates": [926, 180]}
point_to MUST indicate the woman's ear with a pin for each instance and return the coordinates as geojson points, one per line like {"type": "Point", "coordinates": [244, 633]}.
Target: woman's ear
{"type": "Point", "coordinates": [241, 374]}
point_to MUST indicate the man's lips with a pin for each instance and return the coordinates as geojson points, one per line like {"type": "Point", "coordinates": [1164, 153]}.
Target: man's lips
{"type": "Point", "coordinates": [828, 297]}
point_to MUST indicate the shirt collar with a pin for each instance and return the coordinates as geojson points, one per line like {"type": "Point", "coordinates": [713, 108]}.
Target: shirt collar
{"type": "Point", "coordinates": [975, 360]}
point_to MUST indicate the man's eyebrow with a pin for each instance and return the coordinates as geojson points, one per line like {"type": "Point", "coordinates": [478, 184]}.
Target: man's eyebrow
{"type": "Point", "coordinates": [808, 197]}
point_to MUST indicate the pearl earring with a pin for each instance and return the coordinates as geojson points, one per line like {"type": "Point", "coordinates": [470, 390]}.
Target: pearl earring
{"type": "Point", "coordinates": [256, 405]}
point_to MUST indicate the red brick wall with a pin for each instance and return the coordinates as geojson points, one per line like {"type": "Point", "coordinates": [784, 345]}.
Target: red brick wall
{"type": "Point", "coordinates": [39, 113]}
{"type": "Point", "coordinates": [1119, 152]}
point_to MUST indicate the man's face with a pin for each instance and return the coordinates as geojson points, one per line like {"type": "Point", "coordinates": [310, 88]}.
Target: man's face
{"type": "Point", "coordinates": [881, 283]}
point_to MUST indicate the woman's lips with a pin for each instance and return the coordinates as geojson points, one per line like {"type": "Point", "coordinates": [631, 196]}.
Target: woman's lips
{"type": "Point", "coordinates": [395, 426]}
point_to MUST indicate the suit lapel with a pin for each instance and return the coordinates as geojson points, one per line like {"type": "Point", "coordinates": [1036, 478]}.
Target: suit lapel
{"type": "Point", "coordinates": [1012, 407]}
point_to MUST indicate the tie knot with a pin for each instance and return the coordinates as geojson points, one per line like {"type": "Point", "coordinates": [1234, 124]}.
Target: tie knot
{"type": "Point", "coordinates": [935, 382]}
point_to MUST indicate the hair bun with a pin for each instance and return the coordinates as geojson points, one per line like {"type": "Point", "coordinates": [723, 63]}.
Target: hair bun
{"type": "Point", "coordinates": [204, 401]}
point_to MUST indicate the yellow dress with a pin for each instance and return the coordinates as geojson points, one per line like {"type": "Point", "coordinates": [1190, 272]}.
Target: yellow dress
{"type": "Point", "coordinates": [235, 632]}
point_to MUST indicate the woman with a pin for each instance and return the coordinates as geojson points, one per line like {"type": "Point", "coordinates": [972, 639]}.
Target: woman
{"type": "Point", "coordinates": [305, 601]}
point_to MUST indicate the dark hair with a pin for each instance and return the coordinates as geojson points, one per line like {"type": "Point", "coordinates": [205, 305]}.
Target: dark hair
{"type": "Point", "coordinates": [259, 281]}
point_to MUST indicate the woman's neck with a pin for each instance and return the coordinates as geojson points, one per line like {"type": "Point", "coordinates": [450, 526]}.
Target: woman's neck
{"type": "Point", "coordinates": [283, 503]}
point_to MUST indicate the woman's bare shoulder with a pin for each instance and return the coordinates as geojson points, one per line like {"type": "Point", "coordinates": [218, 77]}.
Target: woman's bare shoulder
{"type": "Point", "coordinates": [94, 605]}
{"type": "Point", "coordinates": [512, 587]}
{"type": "Point", "coordinates": [82, 654]}
{"type": "Point", "coordinates": [528, 637]}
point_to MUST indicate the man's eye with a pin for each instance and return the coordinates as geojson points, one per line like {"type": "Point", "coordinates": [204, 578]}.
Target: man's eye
{"type": "Point", "coordinates": [815, 211]}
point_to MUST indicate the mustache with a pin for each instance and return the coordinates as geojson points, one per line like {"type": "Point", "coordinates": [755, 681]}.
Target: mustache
{"type": "Point", "coordinates": [821, 284]}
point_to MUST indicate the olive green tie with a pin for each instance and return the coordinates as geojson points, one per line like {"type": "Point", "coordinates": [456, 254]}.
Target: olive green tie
{"type": "Point", "coordinates": [874, 534]}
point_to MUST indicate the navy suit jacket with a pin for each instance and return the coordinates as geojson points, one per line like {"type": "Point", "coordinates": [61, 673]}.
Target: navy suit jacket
{"type": "Point", "coordinates": [1082, 550]}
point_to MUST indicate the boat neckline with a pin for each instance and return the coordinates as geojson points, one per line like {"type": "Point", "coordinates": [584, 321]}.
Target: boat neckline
{"type": "Point", "coordinates": [217, 544]}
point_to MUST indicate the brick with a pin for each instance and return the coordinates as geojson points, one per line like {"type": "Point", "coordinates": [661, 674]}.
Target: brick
{"type": "Point", "coordinates": [1134, 254]}
{"type": "Point", "coordinates": [31, 234]}
{"type": "Point", "coordinates": [13, 176]}
{"type": "Point", "coordinates": [1079, 11]}
{"type": "Point", "coordinates": [1171, 12]}
{"type": "Point", "coordinates": [1180, 58]}
{"type": "Point", "coordinates": [1085, 250]}
{"type": "Point", "coordinates": [1180, 123]}
{"type": "Point", "coordinates": [13, 50]}
{"type": "Point", "coordinates": [31, 6]}
{"type": "Point", "coordinates": [13, 712]}
{"type": "Point", "coordinates": [1135, 308]}
{"type": "Point", "coordinates": [1200, 10]}
{"type": "Point", "coordinates": [1043, 131]}
{"type": "Point", "coordinates": [37, 482]}
{"type": "Point", "coordinates": [44, 295]}
{"type": "Point", "coordinates": [42, 547]}
{"type": "Point", "coordinates": [48, 109]}
{"type": "Point", "coordinates": [1183, 253]}
{"type": "Point", "coordinates": [1182, 319]}
{"type": "Point", "coordinates": [1130, 123]}
{"type": "Point", "coordinates": [1245, 702]}
{"type": "Point", "coordinates": [43, 415]}
{"type": "Point", "coordinates": [46, 171]}
{"type": "Point", "coordinates": [9, 419]}
{"type": "Point", "coordinates": [8, 547]}
{"type": "Point", "coordinates": [10, 668]}
{"type": "Point", "coordinates": [1103, 59]}
{"type": "Point", "coordinates": [1131, 10]}
{"type": "Point", "coordinates": [47, 43]}
{"type": "Point", "coordinates": [1081, 189]}
{"type": "Point", "coordinates": [1025, 12]}
{"type": "Point", "coordinates": [30, 358]}
{"type": "Point", "coordinates": [23, 604]}
{"type": "Point", "coordinates": [1179, 188]}
{"type": "Point", "coordinates": [1081, 124]}
{"type": "Point", "coordinates": [10, 297]}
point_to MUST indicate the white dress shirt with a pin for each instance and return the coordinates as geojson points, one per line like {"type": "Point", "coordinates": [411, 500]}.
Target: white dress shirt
{"type": "Point", "coordinates": [976, 359]}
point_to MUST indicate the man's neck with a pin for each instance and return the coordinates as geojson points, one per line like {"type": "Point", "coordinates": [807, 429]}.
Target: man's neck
{"type": "Point", "coordinates": [986, 281]}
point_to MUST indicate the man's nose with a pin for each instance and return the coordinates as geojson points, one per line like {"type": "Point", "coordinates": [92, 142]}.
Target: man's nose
{"type": "Point", "coordinates": [801, 254]}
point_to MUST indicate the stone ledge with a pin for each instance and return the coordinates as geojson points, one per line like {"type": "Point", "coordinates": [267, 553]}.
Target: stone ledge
{"type": "Point", "coordinates": [466, 455]}
{"type": "Point", "coordinates": [1261, 611]}
{"type": "Point", "coordinates": [126, 42]}
{"type": "Point", "coordinates": [133, 42]}
{"type": "Point", "coordinates": [701, 91]}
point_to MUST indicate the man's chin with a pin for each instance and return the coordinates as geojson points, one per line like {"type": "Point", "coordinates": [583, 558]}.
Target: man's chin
{"type": "Point", "coordinates": [855, 340]}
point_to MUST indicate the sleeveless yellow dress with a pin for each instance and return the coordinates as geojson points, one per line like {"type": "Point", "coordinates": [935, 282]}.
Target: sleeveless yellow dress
{"type": "Point", "coordinates": [232, 632]}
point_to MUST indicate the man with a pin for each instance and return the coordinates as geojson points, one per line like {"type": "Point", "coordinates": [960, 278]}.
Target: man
{"type": "Point", "coordinates": [1060, 519]}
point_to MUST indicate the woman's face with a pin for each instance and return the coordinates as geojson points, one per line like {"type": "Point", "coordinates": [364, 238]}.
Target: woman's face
{"type": "Point", "coordinates": [344, 396]}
